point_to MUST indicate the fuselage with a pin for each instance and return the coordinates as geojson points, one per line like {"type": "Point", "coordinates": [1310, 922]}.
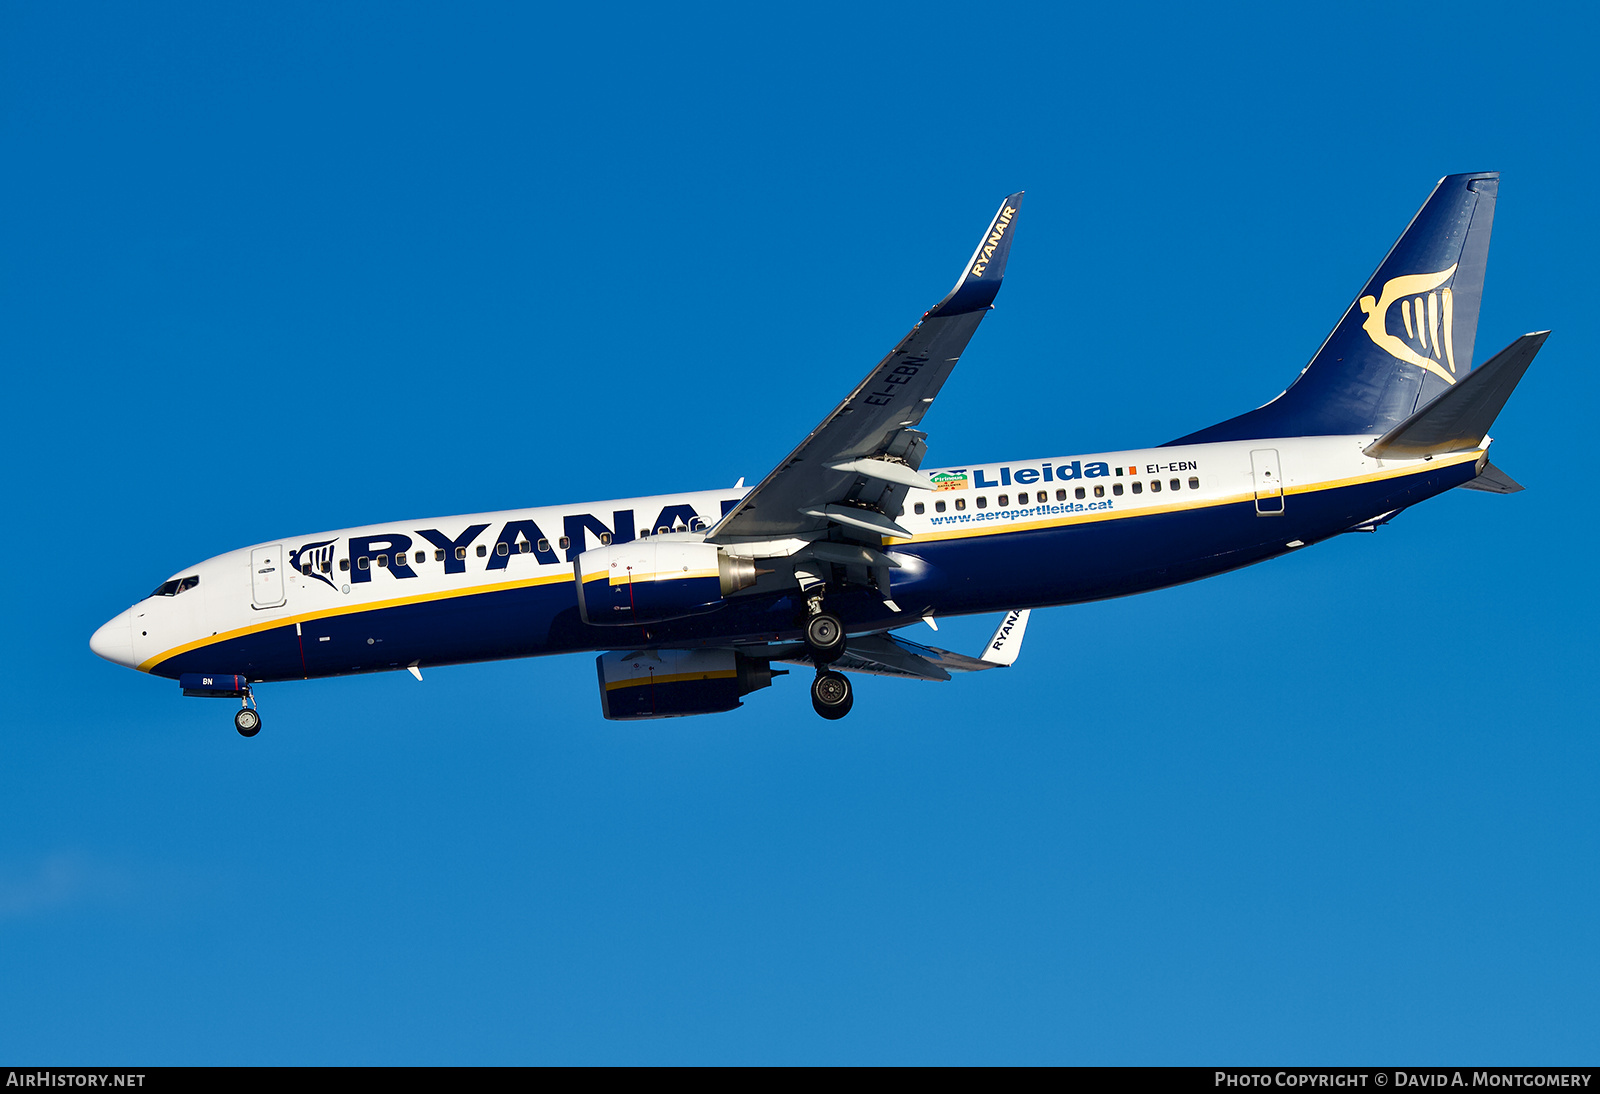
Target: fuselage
{"type": "Point", "coordinates": [991, 537]}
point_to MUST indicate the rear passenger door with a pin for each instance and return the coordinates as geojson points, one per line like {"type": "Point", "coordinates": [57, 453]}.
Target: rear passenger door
{"type": "Point", "coordinates": [1268, 480]}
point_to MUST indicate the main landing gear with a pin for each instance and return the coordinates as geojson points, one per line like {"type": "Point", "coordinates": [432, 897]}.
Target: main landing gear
{"type": "Point", "coordinates": [247, 719]}
{"type": "Point", "coordinates": [824, 633]}
{"type": "Point", "coordinates": [831, 695]}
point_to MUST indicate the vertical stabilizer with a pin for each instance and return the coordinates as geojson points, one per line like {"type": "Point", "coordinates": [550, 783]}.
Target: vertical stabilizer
{"type": "Point", "coordinates": [1407, 336]}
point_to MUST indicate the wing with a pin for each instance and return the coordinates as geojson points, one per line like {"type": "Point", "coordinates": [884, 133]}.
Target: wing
{"type": "Point", "coordinates": [885, 654]}
{"type": "Point", "coordinates": [852, 472]}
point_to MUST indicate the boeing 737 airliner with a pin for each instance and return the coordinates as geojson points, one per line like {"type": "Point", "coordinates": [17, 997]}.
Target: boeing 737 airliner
{"type": "Point", "coordinates": [700, 594]}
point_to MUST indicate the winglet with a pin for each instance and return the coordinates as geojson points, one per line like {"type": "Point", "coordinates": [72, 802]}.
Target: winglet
{"type": "Point", "coordinates": [980, 280]}
{"type": "Point", "coordinates": [1007, 641]}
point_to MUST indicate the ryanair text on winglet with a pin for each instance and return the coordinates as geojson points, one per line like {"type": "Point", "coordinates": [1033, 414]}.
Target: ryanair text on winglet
{"type": "Point", "coordinates": [986, 251]}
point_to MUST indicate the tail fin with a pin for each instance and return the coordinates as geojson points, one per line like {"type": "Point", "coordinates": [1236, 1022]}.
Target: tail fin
{"type": "Point", "coordinates": [1407, 336]}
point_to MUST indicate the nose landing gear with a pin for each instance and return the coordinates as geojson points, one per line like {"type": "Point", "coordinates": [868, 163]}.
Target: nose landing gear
{"type": "Point", "coordinates": [247, 719]}
{"type": "Point", "coordinates": [207, 685]}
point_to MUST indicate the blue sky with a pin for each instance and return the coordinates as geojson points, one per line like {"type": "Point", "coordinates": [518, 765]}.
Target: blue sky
{"type": "Point", "coordinates": [269, 272]}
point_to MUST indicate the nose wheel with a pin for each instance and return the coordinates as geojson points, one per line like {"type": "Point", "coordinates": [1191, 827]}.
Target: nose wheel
{"type": "Point", "coordinates": [247, 719]}
{"type": "Point", "coordinates": [831, 695]}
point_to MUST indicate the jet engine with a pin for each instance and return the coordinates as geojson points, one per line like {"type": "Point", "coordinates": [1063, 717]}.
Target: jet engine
{"type": "Point", "coordinates": [653, 580]}
{"type": "Point", "coordinates": [674, 683]}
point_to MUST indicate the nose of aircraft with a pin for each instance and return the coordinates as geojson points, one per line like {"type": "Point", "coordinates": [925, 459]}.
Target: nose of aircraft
{"type": "Point", "coordinates": [114, 641]}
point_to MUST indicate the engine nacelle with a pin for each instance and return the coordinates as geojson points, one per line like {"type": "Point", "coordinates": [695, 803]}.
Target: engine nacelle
{"type": "Point", "coordinates": [653, 580]}
{"type": "Point", "coordinates": [676, 683]}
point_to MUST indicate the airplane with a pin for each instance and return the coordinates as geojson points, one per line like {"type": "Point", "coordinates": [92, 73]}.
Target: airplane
{"type": "Point", "coordinates": [691, 600]}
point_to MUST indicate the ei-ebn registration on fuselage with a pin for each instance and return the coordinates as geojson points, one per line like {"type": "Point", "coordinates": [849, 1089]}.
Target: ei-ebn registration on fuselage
{"type": "Point", "coordinates": [696, 596]}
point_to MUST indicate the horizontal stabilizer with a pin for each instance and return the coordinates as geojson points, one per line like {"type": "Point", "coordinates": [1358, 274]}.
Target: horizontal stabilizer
{"type": "Point", "coordinates": [1459, 419]}
{"type": "Point", "coordinates": [1494, 481]}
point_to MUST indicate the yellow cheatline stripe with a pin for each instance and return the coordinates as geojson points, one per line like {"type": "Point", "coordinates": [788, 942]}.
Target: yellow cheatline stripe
{"type": "Point", "coordinates": [674, 678]}
{"type": "Point", "coordinates": [352, 609]}
{"type": "Point", "coordinates": [967, 531]}
{"type": "Point", "coordinates": [964, 532]}
{"type": "Point", "coordinates": [1389, 473]}
{"type": "Point", "coordinates": [665, 575]}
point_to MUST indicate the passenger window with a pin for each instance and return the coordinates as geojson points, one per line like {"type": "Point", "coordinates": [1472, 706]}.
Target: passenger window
{"type": "Point", "coordinates": [1175, 483]}
{"type": "Point", "coordinates": [605, 539]}
{"type": "Point", "coordinates": [1042, 496]}
{"type": "Point", "coordinates": [938, 507]}
{"type": "Point", "coordinates": [1116, 488]}
{"type": "Point", "coordinates": [697, 524]}
{"type": "Point", "coordinates": [983, 502]}
{"type": "Point", "coordinates": [919, 508]}
{"type": "Point", "coordinates": [438, 556]}
{"type": "Point", "coordinates": [500, 549]}
{"type": "Point", "coordinates": [523, 547]}
{"type": "Point", "coordinates": [461, 552]}
{"type": "Point", "coordinates": [1155, 486]}
{"type": "Point", "coordinates": [663, 530]}
{"type": "Point", "coordinates": [564, 542]}
{"type": "Point", "coordinates": [1194, 483]}
{"type": "Point", "coordinates": [1079, 493]}
{"type": "Point", "coordinates": [482, 551]}
{"type": "Point", "coordinates": [1061, 495]}
{"type": "Point", "coordinates": [961, 503]}
{"type": "Point", "coordinates": [422, 556]}
{"type": "Point", "coordinates": [1099, 491]}
{"type": "Point", "coordinates": [383, 561]}
{"type": "Point", "coordinates": [344, 564]}
{"type": "Point", "coordinates": [544, 546]}
{"type": "Point", "coordinates": [1138, 488]}
{"type": "Point", "coordinates": [1005, 500]}
{"type": "Point", "coordinates": [361, 563]}
{"type": "Point", "coordinates": [327, 565]}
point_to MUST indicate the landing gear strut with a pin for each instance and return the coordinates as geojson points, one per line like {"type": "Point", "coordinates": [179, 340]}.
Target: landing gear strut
{"type": "Point", "coordinates": [831, 694]}
{"type": "Point", "coordinates": [247, 719]}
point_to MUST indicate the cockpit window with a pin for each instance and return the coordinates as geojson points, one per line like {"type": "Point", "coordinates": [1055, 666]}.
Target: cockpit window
{"type": "Point", "coordinates": [176, 585]}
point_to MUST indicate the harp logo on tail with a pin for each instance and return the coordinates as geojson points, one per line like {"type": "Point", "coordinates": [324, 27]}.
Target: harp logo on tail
{"type": "Point", "coordinates": [1427, 313]}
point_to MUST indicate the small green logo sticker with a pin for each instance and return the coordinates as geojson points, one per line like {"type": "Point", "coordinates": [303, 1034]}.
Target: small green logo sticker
{"type": "Point", "coordinates": [949, 480]}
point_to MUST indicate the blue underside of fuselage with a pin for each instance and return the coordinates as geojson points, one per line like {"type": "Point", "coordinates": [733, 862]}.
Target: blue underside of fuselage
{"type": "Point", "coordinates": [983, 573]}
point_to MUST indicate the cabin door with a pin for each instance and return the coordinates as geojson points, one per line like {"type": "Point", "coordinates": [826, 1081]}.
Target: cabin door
{"type": "Point", "coordinates": [266, 576]}
{"type": "Point", "coordinates": [1269, 482]}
